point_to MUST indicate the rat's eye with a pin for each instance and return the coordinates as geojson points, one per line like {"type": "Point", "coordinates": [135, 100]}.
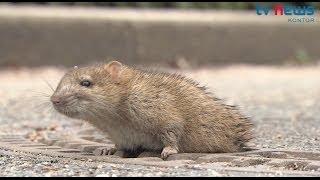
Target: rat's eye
{"type": "Point", "coordinates": [85, 83]}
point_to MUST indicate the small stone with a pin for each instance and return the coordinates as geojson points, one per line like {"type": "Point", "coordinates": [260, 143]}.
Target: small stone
{"type": "Point", "coordinates": [279, 136]}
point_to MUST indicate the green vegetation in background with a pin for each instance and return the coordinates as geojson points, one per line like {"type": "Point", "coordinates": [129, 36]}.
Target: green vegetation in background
{"type": "Point", "coordinates": [302, 57]}
{"type": "Point", "coordinates": [179, 5]}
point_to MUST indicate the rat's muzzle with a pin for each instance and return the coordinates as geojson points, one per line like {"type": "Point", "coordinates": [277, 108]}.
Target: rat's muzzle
{"type": "Point", "coordinates": [59, 101]}
{"type": "Point", "coordinates": [65, 104]}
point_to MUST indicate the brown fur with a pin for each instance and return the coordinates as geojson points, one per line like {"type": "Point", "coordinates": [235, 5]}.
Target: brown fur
{"type": "Point", "coordinates": [153, 110]}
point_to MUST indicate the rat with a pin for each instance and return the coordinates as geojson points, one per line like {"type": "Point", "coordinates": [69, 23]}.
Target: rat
{"type": "Point", "coordinates": [145, 110]}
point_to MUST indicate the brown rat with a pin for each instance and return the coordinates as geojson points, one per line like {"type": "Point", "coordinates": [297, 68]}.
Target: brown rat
{"type": "Point", "coordinates": [151, 111]}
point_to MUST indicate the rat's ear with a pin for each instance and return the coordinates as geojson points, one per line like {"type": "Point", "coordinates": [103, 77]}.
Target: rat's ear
{"type": "Point", "coordinates": [114, 69]}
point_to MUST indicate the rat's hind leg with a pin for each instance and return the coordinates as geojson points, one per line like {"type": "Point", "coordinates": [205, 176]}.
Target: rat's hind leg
{"type": "Point", "coordinates": [170, 141]}
{"type": "Point", "coordinates": [168, 150]}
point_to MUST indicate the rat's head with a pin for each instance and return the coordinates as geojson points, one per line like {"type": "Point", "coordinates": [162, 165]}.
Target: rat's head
{"type": "Point", "coordinates": [89, 91]}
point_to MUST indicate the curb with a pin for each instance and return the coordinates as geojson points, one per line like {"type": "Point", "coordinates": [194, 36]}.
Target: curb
{"type": "Point", "coordinates": [35, 36]}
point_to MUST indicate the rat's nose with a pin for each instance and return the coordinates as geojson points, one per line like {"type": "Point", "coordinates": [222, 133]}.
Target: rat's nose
{"type": "Point", "coordinates": [56, 100]}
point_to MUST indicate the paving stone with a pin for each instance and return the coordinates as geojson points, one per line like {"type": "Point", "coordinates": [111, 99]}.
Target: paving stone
{"type": "Point", "coordinates": [314, 166]}
{"type": "Point", "coordinates": [182, 156]}
{"type": "Point", "coordinates": [88, 137]}
{"type": "Point", "coordinates": [245, 161]}
{"type": "Point", "coordinates": [215, 158]}
{"type": "Point", "coordinates": [152, 159]}
{"type": "Point", "coordinates": [64, 143]}
{"type": "Point", "coordinates": [89, 148]}
{"type": "Point", "coordinates": [75, 145]}
{"type": "Point", "coordinates": [49, 148]}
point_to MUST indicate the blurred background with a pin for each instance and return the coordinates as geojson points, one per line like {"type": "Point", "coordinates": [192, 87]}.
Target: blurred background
{"type": "Point", "coordinates": [169, 34]}
{"type": "Point", "coordinates": [178, 5]}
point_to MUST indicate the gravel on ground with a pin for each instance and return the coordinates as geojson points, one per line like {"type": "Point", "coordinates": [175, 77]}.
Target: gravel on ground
{"type": "Point", "coordinates": [283, 103]}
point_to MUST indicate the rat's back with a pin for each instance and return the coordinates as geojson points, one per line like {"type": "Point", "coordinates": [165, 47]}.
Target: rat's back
{"type": "Point", "coordinates": [162, 103]}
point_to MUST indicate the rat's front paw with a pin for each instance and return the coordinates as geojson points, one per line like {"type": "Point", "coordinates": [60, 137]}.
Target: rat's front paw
{"type": "Point", "coordinates": [104, 151]}
{"type": "Point", "coordinates": [168, 151]}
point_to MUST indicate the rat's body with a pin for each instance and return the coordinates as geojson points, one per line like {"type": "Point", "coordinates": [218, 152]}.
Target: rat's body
{"type": "Point", "coordinates": [151, 111]}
